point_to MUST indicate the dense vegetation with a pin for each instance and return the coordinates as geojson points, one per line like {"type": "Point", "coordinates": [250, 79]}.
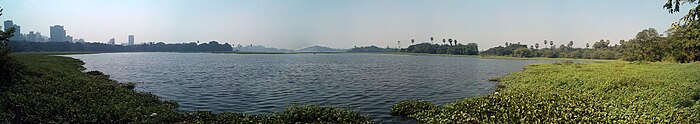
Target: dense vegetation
{"type": "Point", "coordinates": [600, 50]}
{"type": "Point", "coordinates": [680, 43]}
{"type": "Point", "coordinates": [372, 49]}
{"type": "Point", "coordinates": [457, 49]}
{"type": "Point", "coordinates": [100, 47]}
{"type": "Point", "coordinates": [616, 92]}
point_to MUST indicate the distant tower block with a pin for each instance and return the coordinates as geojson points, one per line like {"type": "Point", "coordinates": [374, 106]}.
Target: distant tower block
{"type": "Point", "coordinates": [131, 40]}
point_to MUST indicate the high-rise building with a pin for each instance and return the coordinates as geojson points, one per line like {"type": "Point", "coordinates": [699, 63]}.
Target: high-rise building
{"type": "Point", "coordinates": [31, 36]}
{"type": "Point", "coordinates": [8, 24]}
{"type": "Point", "coordinates": [17, 36]}
{"type": "Point", "coordinates": [58, 34]}
{"type": "Point", "coordinates": [111, 41]}
{"type": "Point", "coordinates": [69, 38]}
{"type": "Point", "coordinates": [131, 40]}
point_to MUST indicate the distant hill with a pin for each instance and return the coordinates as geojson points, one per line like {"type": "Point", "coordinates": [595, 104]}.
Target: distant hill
{"type": "Point", "coordinates": [372, 49]}
{"type": "Point", "coordinates": [259, 49]}
{"type": "Point", "coordinates": [320, 49]}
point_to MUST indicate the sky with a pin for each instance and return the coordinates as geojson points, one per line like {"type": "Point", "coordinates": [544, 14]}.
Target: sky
{"type": "Point", "coordinates": [294, 24]}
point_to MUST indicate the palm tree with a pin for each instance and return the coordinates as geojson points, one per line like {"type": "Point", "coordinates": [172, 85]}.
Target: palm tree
{"type": "Point", "coordinates": [455, 41]}
{"type": "Point", "coordinates": [450, 40]}
{"type": "Point", "coordinates": [507, 44]}
{"type": "Point", "coordinates": [587, 45]}
{"type": "Point", "coordinates": [551, 43]}
{"type": "Point", "coordinates": [537, 45]}
{"type": "Point", "coordinates": [431, 39]}
{"type": "Point", "coordinates": [412, 41]}
{"type": "Point", "coordinates": [443, 41]}
{"type": "Point", "coordinates": [399, 44]}
{"type": "Point", "coordinates": [571, 44]}
{"type": "Point", "coordinates": [545, 42]}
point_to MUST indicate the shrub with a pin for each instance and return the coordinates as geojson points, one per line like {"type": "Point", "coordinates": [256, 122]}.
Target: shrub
{"type": "Point", "coordinates": [318, 114]}
{"type": "Point", "coordinates": [410, 107]}
{"type": "Point", "coordinates": [128, 85]}
{"type": "Point", "coordinates": [291, 115]}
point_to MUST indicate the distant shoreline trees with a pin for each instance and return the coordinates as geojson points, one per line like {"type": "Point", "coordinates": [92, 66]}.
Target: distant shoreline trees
{"type": "Point", "coordinates": [100, 47]}
{"type": "Point", "coordinates": [457, 49]}
{"type": "Point", "coordinates": [681, 43]}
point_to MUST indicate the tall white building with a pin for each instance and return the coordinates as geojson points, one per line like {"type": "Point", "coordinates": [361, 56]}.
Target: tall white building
{"type": "Point", "coordinates": [58, 34]}
{"type": "Point", "coordinates": [111, 41]}
{"type": "Point", "coordinates": [131, 40]}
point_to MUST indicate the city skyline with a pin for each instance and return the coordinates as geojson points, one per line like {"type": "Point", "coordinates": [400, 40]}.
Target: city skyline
{"type": "Point", "coordinates": [343, 24]}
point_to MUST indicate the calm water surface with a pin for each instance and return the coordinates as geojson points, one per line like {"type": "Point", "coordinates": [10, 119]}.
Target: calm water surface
{"type": "Point", "coordinates": [261, 84]}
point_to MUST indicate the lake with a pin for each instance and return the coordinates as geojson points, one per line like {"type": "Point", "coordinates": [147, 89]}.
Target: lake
{"type": "Point", "coordinates": [266, 83]}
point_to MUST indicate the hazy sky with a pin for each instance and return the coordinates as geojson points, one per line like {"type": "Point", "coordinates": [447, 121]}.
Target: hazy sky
{"type": "Point", "coordinates": [294, 24]}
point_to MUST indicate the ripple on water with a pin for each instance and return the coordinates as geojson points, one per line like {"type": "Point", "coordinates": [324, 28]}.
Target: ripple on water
{"type": "Point", "coordinates": [261, 84]}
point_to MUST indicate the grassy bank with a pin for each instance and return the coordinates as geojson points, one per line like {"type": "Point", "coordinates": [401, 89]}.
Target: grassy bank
{"type": "Point", "coordinates": [54, 89]}
{"type": "Point", "coordinates": [617, 92]}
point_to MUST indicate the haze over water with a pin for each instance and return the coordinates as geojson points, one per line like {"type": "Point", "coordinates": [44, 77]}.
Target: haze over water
{"type": "Point", "coordinates": [260, 84]}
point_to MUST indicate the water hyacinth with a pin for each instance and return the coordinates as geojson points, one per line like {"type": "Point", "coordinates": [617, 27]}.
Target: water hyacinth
{"type": "Point", "coordinates": [614, 92]}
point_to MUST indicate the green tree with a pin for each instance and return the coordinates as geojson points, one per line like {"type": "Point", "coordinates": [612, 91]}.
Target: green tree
{"type": "Point", "coordinates": [646, 46]}
{"type": "Point", "coordinates": [472, 49]}
{"type": "Point", "coordinates": [684, 45]}
{"type": "Point", "coordinates": [522, 52]}
{"type": "Point", "coordinates": [10, 70]}
{"type": "Point", "coordinates": [673, 6]}
{"type": "Point", "coordinates": [537, 45]}
{"type": "Point", "coordinates": [601, 44]}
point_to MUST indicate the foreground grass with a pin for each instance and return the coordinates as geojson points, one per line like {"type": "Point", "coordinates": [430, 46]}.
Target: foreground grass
{"type": "Point", "coordinates": [615, 92]}
{"type": "Point", "coordinates": [54, 89]}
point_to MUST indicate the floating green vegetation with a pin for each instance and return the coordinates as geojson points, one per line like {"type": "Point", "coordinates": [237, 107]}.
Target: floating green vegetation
{"type": "Point", "coordinates": [616, 92]}
{"type": "Point", "coordinates": [55, 89]}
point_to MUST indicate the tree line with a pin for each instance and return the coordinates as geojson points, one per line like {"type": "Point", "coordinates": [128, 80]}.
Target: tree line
{"type": "Point", "coordinates": [452, 48]}
{"type": "Point", "coordinates": [680, 43]}
{"type": "Point", "coordinates": [457, 49]}
{"type": "Point", "coordinates": [599, 50]}
{"type": "Point", "coordinates": [101, 47]}
{"type": "Point", "coordinates": [676, 45]}
{"type": "Point", "coordinates": [372, 49]}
